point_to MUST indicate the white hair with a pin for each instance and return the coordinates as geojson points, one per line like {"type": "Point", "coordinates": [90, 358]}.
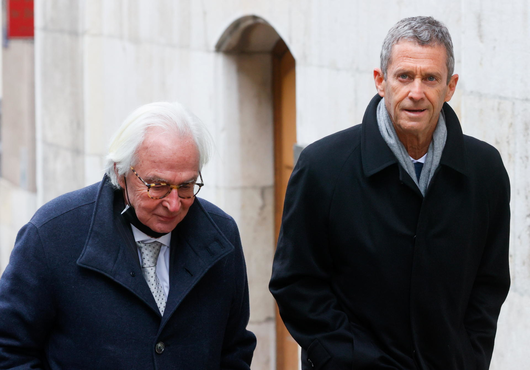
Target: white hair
{"type": "Point", "coordinates": [173, 117]}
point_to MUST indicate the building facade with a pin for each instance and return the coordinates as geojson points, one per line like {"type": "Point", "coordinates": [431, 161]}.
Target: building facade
{"type": "Point", "coordinates": [263, 75]}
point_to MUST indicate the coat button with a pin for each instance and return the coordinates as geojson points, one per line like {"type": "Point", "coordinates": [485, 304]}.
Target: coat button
{"type": "Point", "coordinates": [160, 347]}
{"type": "Point", "coordinates": [132, 273]}
{"type": "Point", "coordinates": [311, 362]}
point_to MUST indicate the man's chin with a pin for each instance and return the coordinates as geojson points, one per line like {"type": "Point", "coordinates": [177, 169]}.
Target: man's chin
{"type": "Point", "coordinates": [165, 227]}
{"type": "Point", "coordinates": [164, 230]}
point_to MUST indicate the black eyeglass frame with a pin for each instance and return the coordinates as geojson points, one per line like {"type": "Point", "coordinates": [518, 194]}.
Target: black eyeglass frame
{"type": "Point", "coordinates": [171, 187]}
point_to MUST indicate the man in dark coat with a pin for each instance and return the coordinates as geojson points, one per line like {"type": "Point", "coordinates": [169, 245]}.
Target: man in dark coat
{"type": "Point", "coordinates": [393, 251]}
{"type": "Point", "coordinates": [133, 272]}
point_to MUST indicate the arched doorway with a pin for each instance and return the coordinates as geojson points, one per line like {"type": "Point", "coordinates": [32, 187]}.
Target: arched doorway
{"type": "Point", "coordinates": [284, 91]}
{"type": "Point", "coordinates": [259, 82]}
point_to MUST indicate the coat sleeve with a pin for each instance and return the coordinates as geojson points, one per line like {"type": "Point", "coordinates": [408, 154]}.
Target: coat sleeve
{"type": "Point", "coordinates": [302, 268]}
{"type": "Point", "coordinates": [493, 277]}
{"type": "Point", "coordinates": [26, 309]}
{"type": "Point", "coordinates": [239, 343]}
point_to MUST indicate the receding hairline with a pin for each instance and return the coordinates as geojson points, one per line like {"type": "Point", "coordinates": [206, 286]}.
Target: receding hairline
{"type": "Point", "coordinates": [425, 31]}
{"type": "Point", "coordinates": [430, 44]}
{"type": "Point", "coordinates": [171, 117]}
{"type": "Point", "coordinates": [151, 133]}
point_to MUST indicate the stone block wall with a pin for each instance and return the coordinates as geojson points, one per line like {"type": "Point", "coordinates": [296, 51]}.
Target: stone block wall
{"type": "Point", "coordinates": [95, 61]}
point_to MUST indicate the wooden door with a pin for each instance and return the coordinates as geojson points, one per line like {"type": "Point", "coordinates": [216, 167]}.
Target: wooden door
{"type": "Point", "coordinates": [284, 90]}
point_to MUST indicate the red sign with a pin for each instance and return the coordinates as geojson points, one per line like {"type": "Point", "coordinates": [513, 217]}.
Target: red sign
{"type": "Point", "coordinates": [20, 19]}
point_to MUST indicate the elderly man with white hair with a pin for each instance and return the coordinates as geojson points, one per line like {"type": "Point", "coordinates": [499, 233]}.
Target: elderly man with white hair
{"type": "Point", "coordinates": [134, 272]}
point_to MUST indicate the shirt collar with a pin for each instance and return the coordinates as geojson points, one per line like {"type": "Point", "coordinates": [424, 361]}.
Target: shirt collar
{"type": "Point", "coordinates": [420, 160]}
{"type": "Point", "coordinates": [140, 236]}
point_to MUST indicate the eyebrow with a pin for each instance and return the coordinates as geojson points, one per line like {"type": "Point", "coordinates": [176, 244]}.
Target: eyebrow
{"type": "Point", "coordinates": [154, 180]}
{"type": "Point", "coordinates": [409, 71]}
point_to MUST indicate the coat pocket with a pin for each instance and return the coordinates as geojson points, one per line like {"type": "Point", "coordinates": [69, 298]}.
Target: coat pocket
{"type": "Point", "coordinates": [315, 357]}
{"type": "Point", "coordinates": [366, 355]}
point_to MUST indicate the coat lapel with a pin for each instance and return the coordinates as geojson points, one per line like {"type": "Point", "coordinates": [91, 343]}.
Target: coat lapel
{"type": "Point", "coordinates": [454, 155]}
{"type": "Point", "coordinates": [376, 155]}
{"type": "Point", "coordinates": [108, 249]}
{"type": "Point", "coordinates": [196, 245]}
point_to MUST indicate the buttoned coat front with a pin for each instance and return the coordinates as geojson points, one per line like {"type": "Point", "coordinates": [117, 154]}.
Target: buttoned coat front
{"type": "Point", "coordinates": [73, 295]}
{"type": "Point", "coordinates": [369, 274]}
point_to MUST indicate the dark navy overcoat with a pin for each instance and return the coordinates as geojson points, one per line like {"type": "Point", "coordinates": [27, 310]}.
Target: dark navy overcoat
{"type": "Point", "coordinates": [369, 274]}
{"type": "Point", "coordinates": [73, 295]}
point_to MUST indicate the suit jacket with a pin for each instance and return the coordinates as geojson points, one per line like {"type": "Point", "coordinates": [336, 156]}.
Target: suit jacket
{"type": "Point", "coordinates": [369, 274]}
{"type": "Point", "coordinates": [73, 295]}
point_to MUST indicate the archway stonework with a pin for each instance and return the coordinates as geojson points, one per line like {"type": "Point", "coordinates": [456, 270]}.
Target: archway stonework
{"type": "Point", "coordinates": [251, 136]}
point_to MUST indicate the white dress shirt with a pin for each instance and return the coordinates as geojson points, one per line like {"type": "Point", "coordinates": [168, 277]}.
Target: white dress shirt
{"type": "Point", "coordinates": [421, 160]}
{"type": "Point", "coordinates": [162, 263]}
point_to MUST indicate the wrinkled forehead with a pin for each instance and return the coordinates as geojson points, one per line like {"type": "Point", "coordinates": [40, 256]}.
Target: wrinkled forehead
{"type": "Point", "coordinates": [166, 144]}
{"type": "Point", "coordinates": [413, 49]}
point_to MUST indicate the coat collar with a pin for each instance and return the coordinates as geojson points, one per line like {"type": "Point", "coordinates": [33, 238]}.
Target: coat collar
{"type": "Point", "coordinates": [196, 245]}
{"type": "Point", "coordinates": [376, 155]}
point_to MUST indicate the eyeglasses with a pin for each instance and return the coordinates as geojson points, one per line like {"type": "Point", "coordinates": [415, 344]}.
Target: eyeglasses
{"type": "Point", "coordinates": [161, 190]}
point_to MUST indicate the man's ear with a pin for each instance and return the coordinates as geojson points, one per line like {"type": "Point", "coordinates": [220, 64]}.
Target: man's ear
{"type": "Point", "coordinates": [120, 178]}
{"type": "Point", "coordinates": [452, 87]}
{"type": "Point", "coordinates": [379, 79]}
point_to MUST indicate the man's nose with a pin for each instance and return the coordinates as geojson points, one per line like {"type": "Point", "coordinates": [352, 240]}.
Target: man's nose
{"type": "Point", "coordinates": [172, 201]}
{"type": "Point", "coordinates": [416, 90]}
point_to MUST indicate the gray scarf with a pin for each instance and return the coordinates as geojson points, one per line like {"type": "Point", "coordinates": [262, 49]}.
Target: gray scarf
{"type": "Point", "coordinates": [433, 154]}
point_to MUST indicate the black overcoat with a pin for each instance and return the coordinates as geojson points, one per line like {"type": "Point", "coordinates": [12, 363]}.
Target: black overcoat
{"type": "Point", "coordinates": [73, 295]}
{"type": "Point", "coordinates": [369, 274]}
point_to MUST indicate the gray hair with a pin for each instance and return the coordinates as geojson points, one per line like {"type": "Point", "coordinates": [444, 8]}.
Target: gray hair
{"type": "Point", "coordinates": [173, 117]}
{"type": "Point", "coordinates": [424, 31]}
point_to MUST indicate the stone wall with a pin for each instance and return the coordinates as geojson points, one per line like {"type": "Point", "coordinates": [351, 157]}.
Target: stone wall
{"type": "Point", "coordinates": [18, 146]}
{"type": "Point", "coordinates": [98, 60]}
